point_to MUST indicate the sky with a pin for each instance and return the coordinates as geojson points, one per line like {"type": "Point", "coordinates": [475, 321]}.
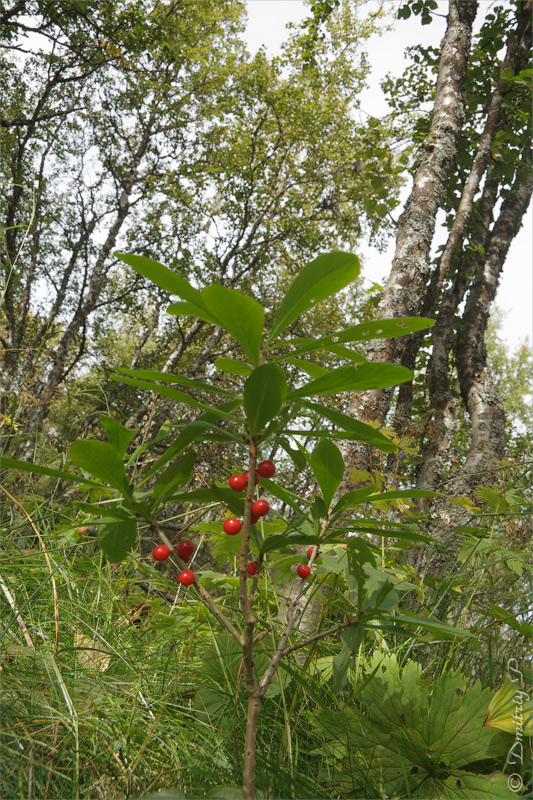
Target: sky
{"type": "Point", "coordinates": [267, 20]}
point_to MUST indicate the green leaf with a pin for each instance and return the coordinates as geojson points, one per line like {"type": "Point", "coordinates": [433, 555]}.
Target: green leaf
{"type": "Point", "coordinates": [27, 466]}
{"type": "Point", "coordinates": [113, 511]}
{"type": "Point", "coordinates": [376, 329]}
{"type": "Point", "coordinates": [341, 665]}
{"type": "Point", "coordinates": [175, 394]}
{"type": "Point", "coordinates": [184, 309]}
{"type": "Point", "coordinates": [281, 541]}
{"type": "Point", "coordinates": [166, 377]}
{"type": "Point", "coordinates": [328, 466]}
{"type": "Point", "coordinates": [115, 538]}
{"type": "Point", "coordinates": [313, 370]}
{"type": "Point", "coordinates": [289, 498]}
{"type": "Point", "coordinates": [355, 498]}
{"type": "Point", "coordinates": [365, 433]}
{"type": "Point", "coordinates": [101, 460]}
{"type": "Point", "coordinates": [264, 392]}
{"type": "Point", "coordinates": [232, 366]}
{"type": "Point", "coordinates": [440, 629]}
{"type": "Point", "coordinates": [372, 375]}
{"type": "Point", "coordinates": [166, 279]}
{"type": "Point", "coordinates": [321, 278]}
{"type": "Point", "coordinates": [383, 329]}
{"type": "Point", "coordinates": [240, 315]}
{"type": "Point", "coordinates": [119, 436]}
{"type": "Point", "coordinates": [177, 474]}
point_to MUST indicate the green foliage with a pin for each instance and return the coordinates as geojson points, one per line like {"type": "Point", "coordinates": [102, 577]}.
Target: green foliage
{"type": "Point", "coordinates": [409, 737]}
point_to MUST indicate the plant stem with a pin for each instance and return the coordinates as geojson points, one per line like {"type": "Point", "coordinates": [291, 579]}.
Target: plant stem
{"type": "Point", "coordinates": [254, 696]}
{"type": "Point", "coordinates": [204, 594]}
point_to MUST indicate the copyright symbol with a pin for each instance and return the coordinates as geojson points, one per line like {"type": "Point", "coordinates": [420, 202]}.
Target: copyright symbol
{"type": "Point", "coordinates": [515, 782]}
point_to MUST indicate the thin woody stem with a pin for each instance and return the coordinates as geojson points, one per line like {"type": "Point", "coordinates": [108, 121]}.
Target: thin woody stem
{"type": "Point", "coordinates": [293, 616]}
{"type": "Point", "coordinates": [204, 594]}
{"type": "Point", "coordinates": [254, 696]}
{"type": "Point", "coordinates": [318, 636]}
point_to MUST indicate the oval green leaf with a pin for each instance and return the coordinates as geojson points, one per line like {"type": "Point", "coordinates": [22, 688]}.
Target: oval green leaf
{"type": "Point", "coordinates": [319, 279]}
{"type": "Point", "coordinates": [372, 375]}
{"type": "Point", "coordinates": [239, 314]}
{"type": "Point", "coordinates": [115, 538]}
{"type": "Point", "coordinates": [264, 392]}
{"type": "Point", "coordinates": [328, 466]}
{"type": "Point", "coordinates": [101, 460]}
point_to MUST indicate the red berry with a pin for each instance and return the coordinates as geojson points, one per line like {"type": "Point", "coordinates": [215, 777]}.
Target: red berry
{"type": "Point", "coordinates": [186, 577]}
{"type": "Point", "coordinates": [245, 475]}
{"type": "Point", "coordinates": [266, 469]}
{"type": "Point", "coordinates": [232, 526]}
{"type": "Point", "coordinates": [185, 549]}
{"type": "Point", "coordinates": [260, 508]}
{"type": "Point", "coordinates": [237, 482]}
{"type": "Point", "coordinates": [161, 552]}
{"type": "Point", "coordinates": [82, 531]}
{"type": "Point", "coordinates": [255, 519]}
{"type": "Point", "coordinates": [303, 571]}
{"type": "Point", "coordinates": [252, 567]}
{"type": "Point", "coordinates": [309, 551]}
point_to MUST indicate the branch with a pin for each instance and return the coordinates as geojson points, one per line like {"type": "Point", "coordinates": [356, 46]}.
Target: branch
{"type": "Point", "coordinates": [204, 594]}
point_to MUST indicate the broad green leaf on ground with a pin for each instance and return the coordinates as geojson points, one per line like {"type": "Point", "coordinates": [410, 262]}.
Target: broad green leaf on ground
{"type": "Point", "coordinates": [177, 474]}
{"type": "Point", "coordinates": [371, 375]}
{"type": "Point", "coordinates": [319, 279]}
{"type": "Point", "coordinates": [264, 392]}
{"type": "Point", "coordinates": [115, 538]}
{"type": "Point", "coordinates": [503, 708]}
{"type": "Point", "coordinates": [239, 314]}
{"type": "Point", "coordinates": [232, 366]}
{"type": "Point", "coordinates": [167, 377]}
{"type": "Point", "coordinates": [37, 469]}
{"type": "Point", "coordinates": [416, 739]}
{"type": "Point", "coordinates": [119, 436]}
{"type": "Point", "coordinates": [366, 433]}
{"type": "Point", "coordinates": [102, 461]}
{"type": "Point", "coordinates": [167, 279]}
{"type": "Point", "coordinates": [328, 467]}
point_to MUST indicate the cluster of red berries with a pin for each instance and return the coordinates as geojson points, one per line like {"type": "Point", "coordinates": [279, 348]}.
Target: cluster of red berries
{"type": "Point", "coordinates": [184, 550]}
{"type": "Point", "coordinates": [232, 526]}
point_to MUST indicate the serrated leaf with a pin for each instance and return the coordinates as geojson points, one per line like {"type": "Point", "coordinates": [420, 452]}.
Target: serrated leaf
{"type": "Point", "coordinates": [264, 393]}
{"type": "Point", "coordinates": [319, 279]}
{"type": "Point", "coordinates": [372, 375]}
{"type": "Point", "coordinates": [119, 436]}
{"type": "Point", "coordinates": [115, 538]}
{"type": "Point", "coordinates": [101, 460]}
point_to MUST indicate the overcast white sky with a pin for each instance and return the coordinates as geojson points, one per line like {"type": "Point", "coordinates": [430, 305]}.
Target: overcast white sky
{"type": "Point", "coordinates": [267, 20]}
